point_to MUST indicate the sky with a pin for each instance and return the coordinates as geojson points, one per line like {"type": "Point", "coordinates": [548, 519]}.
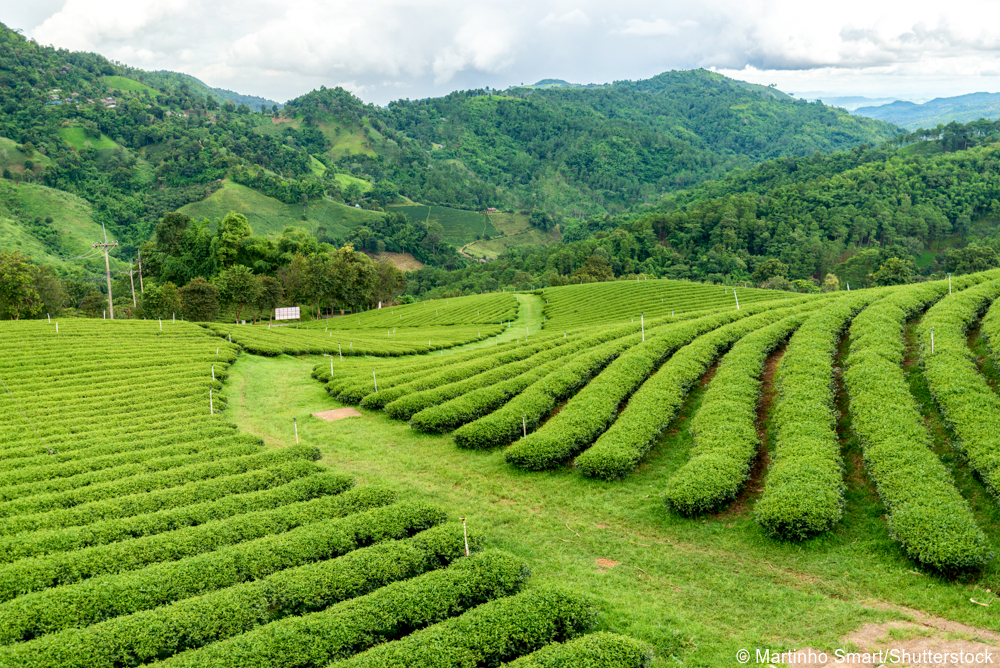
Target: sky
{"type": "Point", "coordinates": [383, 50]}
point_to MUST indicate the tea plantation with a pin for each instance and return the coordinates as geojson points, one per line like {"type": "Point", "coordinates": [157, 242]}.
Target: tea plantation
{"type": "Point", "coordinates": [635, 473]}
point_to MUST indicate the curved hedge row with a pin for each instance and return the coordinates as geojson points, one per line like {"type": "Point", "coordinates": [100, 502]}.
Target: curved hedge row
{"type": "Point", "coordinates": [969, 405]}
{"type": "Point", "coordinates": [491, 633]}
{"type": "Point", "coordinates": [652, 408]}
{"type": "Point", "coordinates": [411, 403]}
{"type": "Point", "coordinates": [458, 372]}
{"type": "Point", "coordinates": [225, 613]}
{"type": "Point", "coordinates": [595, 650]}
{"type": "Point", "coordinates": [593, 410]}
{"type": "Point", "coordinates": [342, 630]}
{"type": "Point", "coordinates": [535, 402]}
{"type": "Point", "coordinates": [140, 503]}
{"type": "Point", "coordinates": [449, 415]}
{"type": "Point", "coordinates": [36, 481]}
{"type": "Point", "coordinates": [724, 429]}
{"type": "Point", "coordinates": [112, 487]}
{"type": "Point", "coordinates": [36, 573]}
{"type": "Point", "coordinates": [107, 596]}
{"type": "Point", "coordinates": [804, 491]}
{"type": "Point", "coordinates": [930, 519]}
{"type": "Point", "coordinates": [47, 541]}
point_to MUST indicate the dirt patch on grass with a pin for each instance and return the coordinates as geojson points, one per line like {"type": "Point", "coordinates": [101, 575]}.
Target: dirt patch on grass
{"type": "Point", "coordinates": [924, 638]}
{"type": "Point", "coordinates": [337, 414]}
{"type": "Point", "coordinates": [605, 564]}
{"type": "Point", "coordinates": [401, 261]}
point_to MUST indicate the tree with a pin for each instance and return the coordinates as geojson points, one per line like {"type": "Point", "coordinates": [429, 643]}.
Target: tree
{"type": "Point", "coordinates": [233, 229]}
{"type": "Point", "coordinates": [769, 269]}
{"type": "Point", "coordinates": [18, 294]}
{"type": "Point", "coordinates": [971, 259]}
{"type": "Point", "coordinates": [238, 287]}
{"type": "Point", "coordinates": [389, 281]}
{"type": "Point", "coordinates": [435, 233]}
{"type": "Point", "coordinates": [595, 268]}
{"type": "Point", "coordinates": [295, 279]}
{"type": "Point", "coordinates": [169, 231]}
{"type": "Point", "coordinates": [161, 301]}
{"type": "Point", "coordinates": [893, 272]}
{"type": "Point", "coordinates": [271, 295]}
{"type": "Point", "coordinates": [200, 300]}
{"type": "Point", "coordinates": [830, 284]}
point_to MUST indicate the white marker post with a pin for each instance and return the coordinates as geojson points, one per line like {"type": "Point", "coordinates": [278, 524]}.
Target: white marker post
{"type": "Point", "coordinates": [642, 323]}
{"type": "Point", "coordinates": [213, 373]}
{"type": "Point", "coordinates": [374, 380]}
{"type": "Point", "coordinates": [295, 421]}
{"type": "Point", "coordinates": [524, 424]}
{"type": "Point", "coordinates": [211, 407]}
{"type": "Point", "coordinates": [57, 328]}
{"type": "Point", "coordinates": [49, 317]}
{"type": "Point", "coordinates": [466, 533]}
{"type": "Point", "coordinates": [161, 323]}
{"type": "Point", "coordinates": [173, 317]}
{"type": "Point", "coordinates": [737, 300]}
{"type": "Point", "coordinates": [331, 366]}
{"type": "Point", "coordinates": [340, 352]}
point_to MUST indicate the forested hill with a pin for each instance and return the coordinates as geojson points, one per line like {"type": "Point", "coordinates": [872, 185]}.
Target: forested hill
{"type": "Point", "coordinates": [137, 145]}
{"type": "Point", "coordinates": [931, 200]}
{"type": "Point", "coordinates": [584, 149]}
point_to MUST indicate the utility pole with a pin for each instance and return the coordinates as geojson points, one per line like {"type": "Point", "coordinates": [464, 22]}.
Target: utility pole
{"type": "Point", "coordinates": [141, 290]}
{"type": "Point", "coordinates": [107, 266]}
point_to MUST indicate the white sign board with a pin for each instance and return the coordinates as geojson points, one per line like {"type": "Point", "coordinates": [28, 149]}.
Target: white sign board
{"type": "Point", "coordinates": [289, 313]}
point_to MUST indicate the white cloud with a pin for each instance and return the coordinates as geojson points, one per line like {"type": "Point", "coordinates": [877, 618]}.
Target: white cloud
{"type": "Point", "coordinates": [282, 48]}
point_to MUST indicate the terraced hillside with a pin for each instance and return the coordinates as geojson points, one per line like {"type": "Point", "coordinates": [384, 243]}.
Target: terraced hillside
{"type": "Point", "coordinates": [141, 528]}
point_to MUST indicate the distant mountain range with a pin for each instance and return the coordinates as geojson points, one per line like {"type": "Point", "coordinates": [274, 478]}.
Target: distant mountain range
{"type": "Point", "coordinates": [943, 110]}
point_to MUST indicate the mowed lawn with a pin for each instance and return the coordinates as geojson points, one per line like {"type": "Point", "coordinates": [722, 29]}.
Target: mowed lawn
{"type": "Point", "coordinates": [699, 590]}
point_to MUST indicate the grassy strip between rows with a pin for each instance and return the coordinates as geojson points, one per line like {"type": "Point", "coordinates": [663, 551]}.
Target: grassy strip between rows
{"type": "Point", "coordinates": [927, 515]}
{"type": "Point", "coordinates": [592, 411]}
{"type": "Point", "coordinates": [226, 613]}
{"type": "Point", "coordinates": [491, 633]}
{"type": "Point", "coordinates": [724, 429]}
{"type": "Point", "coordinates": [344, 629]}
{"type": "Point", "coordinates": [804, 491]}
{"type": "Point", "coordinates": [968, 404]}
{"type": "Point", "coordinates": [653, 407]}
{"type": "Point", "coordinates": [104, 597]}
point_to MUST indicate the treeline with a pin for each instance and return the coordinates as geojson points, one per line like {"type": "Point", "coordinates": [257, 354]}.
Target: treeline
{"type": "Point", "coordinates": [193, 272]}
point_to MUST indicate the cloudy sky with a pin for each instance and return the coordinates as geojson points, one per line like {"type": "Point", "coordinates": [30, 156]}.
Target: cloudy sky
{"type": "Point", "coordinates": [388, 49]}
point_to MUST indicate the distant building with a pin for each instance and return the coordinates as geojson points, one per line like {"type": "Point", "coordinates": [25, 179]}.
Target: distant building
{"type": "Point", "coordinates": [492, 210]}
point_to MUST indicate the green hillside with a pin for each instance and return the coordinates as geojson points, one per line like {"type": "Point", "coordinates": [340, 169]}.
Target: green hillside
{"type": "Point", "coordinates": [23, 213]}
{"type": "Point", "coordinates": [270, 216]}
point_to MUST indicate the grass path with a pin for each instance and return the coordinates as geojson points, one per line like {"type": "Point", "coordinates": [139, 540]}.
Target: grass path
{"type": "Point", "coordinates": [699, 590]}
{"type": "Point", "coordinates": [527, 322]}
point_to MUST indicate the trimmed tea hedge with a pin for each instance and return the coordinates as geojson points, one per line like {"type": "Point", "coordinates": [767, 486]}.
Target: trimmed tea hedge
{"type": "Point", "coordinates": [932, 522]}
{"type": "Point", "coordinates": [596, 650]}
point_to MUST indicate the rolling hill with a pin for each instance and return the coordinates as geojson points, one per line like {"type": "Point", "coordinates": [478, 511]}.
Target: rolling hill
{"type": "Point", "coordinates": [939, 111]}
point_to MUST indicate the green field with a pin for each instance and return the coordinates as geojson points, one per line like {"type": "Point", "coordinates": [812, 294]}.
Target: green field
{"type": "Point", "coordinates": [270, 216]}
{"type": "Point", "coordinates": [12, 158]}
{"type": "Point", "coordinates": [496, 247]}
{"type": "Point", "coordinates": [129, 85]}
{"type": "Point", "coordinates": [346, 179]}
{"type": "Point", "coordinates": [702, 482]}
{"type": "Point", "coordinates": [77, 138]}
{"type": "Point", "coordinates": [460, 226]}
